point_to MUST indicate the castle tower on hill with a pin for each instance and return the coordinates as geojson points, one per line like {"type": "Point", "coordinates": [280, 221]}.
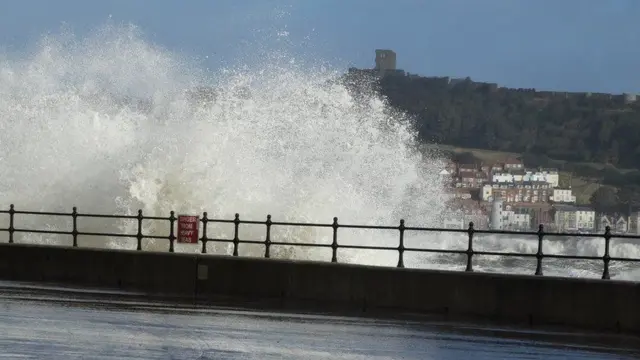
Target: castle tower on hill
{"type": "Point", "coordinates": [385, 60]}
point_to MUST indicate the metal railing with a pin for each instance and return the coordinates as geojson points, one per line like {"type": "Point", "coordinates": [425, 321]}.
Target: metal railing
{"type": "Point", "coordinates": [334, 245]}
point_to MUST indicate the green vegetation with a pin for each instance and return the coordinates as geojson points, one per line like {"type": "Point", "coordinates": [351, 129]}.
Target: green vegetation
{"type": "Point", "coordinates": [592, 139]}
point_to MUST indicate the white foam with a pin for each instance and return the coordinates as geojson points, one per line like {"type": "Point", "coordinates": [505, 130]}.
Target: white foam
{"type": "Point", "coordinates": [281, 138]}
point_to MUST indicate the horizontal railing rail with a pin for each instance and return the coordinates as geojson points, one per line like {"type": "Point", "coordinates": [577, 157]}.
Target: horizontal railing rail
{"type": "Point", "coordinates": [12, 229]}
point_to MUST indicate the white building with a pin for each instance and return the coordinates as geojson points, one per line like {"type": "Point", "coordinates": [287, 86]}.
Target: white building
{"type": "Point", "coordinates": [516, 220]}
{"type": "Point", "coordinates": [552, 176]}
{"type": "Point", "coordinates": [486, 192]}
{"type": "Point", "coordinates": [504, 217]}
{"type": "Point", "coordinates": [563, 196]}
{"type": "Point", "coordinates": [602, 222]}
{"type": "Point", "coordinates": [634, 223]}
{"type": "Point", "coordinates": [573, 218]}
{"type": "Point", "coordinates": [504, 177]}
{"type": "Point", "coordinates": [549, 176]}
{"type": "Point", "coordinates": [498, 217]}
{"type": "Point", "coordinates": [619, 224]}
{"type": "Point", "coordinates": [585, 218]}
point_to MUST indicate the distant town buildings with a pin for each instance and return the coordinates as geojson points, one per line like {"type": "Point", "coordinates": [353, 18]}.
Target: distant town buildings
{"type": "Point", "coordinates": [508, 196]}
{"type": "Point", "coordinates": [570, 218]}
{"type": "Point", "coordinates": [517, 191]}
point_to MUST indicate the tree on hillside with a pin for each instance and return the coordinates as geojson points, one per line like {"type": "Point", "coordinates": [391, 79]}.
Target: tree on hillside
{"type": "Point", "coordinates": [629, 196]}
{"type": "Point", "coordinates": [605, 199]}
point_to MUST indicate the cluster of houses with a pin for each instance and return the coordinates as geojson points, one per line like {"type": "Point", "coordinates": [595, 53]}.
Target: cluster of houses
{"type": "Point", "coordinates": [507, 196]}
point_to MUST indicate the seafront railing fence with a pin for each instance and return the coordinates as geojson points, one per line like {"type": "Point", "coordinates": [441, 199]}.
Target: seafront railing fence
{"type": "Point", "coordinates": [14, 228]}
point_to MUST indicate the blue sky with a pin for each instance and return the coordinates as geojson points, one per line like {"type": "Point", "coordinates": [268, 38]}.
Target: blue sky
{"type": "Point", "coordinates": [574, 45]}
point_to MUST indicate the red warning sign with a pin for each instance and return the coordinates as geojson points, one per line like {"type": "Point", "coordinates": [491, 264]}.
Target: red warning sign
{"type": "Point", "coordinates": [188, 229]}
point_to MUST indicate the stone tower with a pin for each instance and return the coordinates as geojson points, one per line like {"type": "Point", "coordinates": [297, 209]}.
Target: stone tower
{"type": "Point", "coordinates": [385, 60]}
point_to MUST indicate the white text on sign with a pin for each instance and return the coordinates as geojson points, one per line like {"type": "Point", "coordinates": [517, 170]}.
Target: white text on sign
{"type": "Point", "coordinates": [188, 229]}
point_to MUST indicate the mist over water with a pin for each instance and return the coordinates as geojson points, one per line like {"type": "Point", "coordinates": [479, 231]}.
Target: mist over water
{"type": "Point", "coordinates": [109, 123]}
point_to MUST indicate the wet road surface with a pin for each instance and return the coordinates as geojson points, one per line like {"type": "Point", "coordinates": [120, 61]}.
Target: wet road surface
{"type": "Point", "coordinates": [39, 324]}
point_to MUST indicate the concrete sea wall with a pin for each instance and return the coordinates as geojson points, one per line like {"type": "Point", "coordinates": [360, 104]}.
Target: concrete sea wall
{"type": "Point", "coordinates": [596, 304]}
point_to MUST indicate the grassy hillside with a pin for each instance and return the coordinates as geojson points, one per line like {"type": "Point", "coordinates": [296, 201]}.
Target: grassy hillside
{"type": "Point", "coordinates": [583, 188]}
{"type": "Point", "coordinates": [493, 156]}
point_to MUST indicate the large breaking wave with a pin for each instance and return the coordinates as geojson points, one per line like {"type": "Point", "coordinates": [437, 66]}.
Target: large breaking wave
{"type": "Point", "coordinates": [112, 123]}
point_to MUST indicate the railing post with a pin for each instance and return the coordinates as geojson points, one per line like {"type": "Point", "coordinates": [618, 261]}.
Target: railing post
{"type": "Point", "coordinates": [236, 239]}
{"type": "Point", "coordinates": [401, 245]}
{"type": "Point", "coordinates": [470, 232]}
{"type": "Point", "coordinates": [540, 254]}
{"type": "Point", "coordinates": [205, 221]}
{"type": "Point", "coordinates": [606, 258]}
{"type": "Point", "coordinates": [334, 243]}
{"type": "Point", "coordinates": [172, 236]}
{"type": "Point", "coordinates": [267, 239]}
{"type": "Point", "coordinates": [74, 232]}
{"type": "Point", "coordinates": [12, 212]}
{"type": "Point", "coordinates": [139, 235]}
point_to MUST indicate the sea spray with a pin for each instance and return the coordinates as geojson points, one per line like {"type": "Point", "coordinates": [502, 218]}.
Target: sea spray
{"type": "Point", "coordinates": [111, 123]}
